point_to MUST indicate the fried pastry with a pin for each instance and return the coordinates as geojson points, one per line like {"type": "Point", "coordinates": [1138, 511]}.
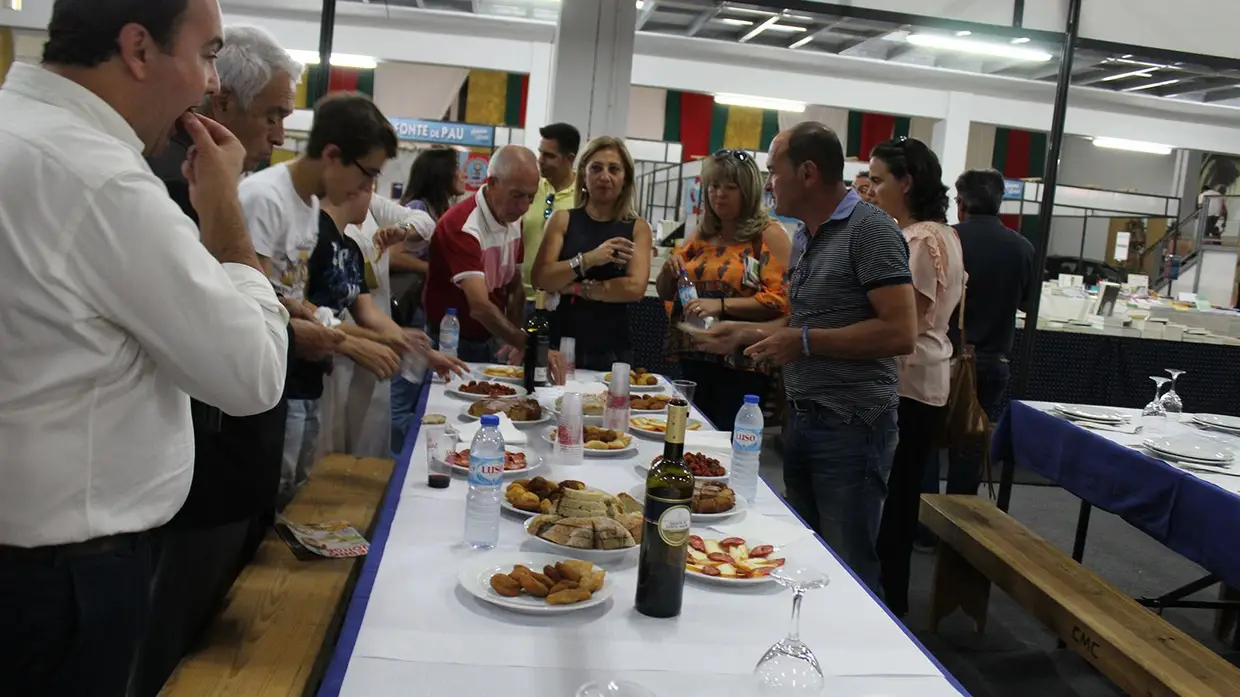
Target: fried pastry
{"type": "Point", "coordinates": [569, 596]}
{"type": "Point", "coordinates": [505, 585]}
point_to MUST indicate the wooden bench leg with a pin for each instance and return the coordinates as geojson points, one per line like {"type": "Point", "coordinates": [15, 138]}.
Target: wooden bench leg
{"type": "Point", "coordinates": [1225, 620]}
{"type": "Point", "coordinates": [958, 585]}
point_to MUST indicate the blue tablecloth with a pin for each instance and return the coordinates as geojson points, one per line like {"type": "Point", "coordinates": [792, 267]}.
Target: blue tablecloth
{"type": "Point", "coordinates": [1192, 517]}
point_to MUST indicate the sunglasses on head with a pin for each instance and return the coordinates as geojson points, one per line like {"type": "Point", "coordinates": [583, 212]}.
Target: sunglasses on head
{"type": "Point", "coordinates": [550, 200]}
{"type": "Point", "coordinates": [741, 155]}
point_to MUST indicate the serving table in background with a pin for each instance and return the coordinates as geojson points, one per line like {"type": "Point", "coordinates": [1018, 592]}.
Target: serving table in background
{"type": "Point", "coordinates": [411, 629]}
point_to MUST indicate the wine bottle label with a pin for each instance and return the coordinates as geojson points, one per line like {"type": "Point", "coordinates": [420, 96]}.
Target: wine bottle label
{"type": "Point", "coordinates": [677, 420]}
{"type": "Point", "coordinates": [672, 517]}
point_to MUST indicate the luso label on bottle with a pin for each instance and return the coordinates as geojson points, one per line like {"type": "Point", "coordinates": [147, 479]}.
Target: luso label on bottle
{"type": "Point", "coordinates": [486, 471]}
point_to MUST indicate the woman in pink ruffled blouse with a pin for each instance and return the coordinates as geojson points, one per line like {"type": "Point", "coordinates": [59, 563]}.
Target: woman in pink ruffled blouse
{"type": "Point", "coordinates": [907, 183]}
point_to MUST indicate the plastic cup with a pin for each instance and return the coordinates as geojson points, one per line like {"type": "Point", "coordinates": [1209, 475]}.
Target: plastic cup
{"type": "Point", "coordinates": [568, 350]}
{"type": "Point", "coordinates": [569, 441]}
{"type": "Point", "coordinates": [616, 411]}
{"type": "Point", "coordinates": [685, 388]}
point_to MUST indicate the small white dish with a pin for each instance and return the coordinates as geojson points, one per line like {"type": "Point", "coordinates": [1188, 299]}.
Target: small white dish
{"type": "Point", "coordinates": [725, 461]}
{"type": "Point", "coordinates": [639, 492]}
{"type": "Point", "coordinates": [513, 509]}
{"type": "Point", "coordinates": [475, 577]}
{"type": "Point", "coordinates": [1091, 413]}
{"type": "Point", "coordinates": [592, 555]}
{"type": "Point", "coordinates": [454, 390]}
{"type": "Point", "coordinates": [657, 387]}
{"type": "Point", "coordinates": [514, 374]}
{"type": "Point", "coordinates": [629, 449]}
{"type": "Point", "coordinates": [1218, 421]}
{"type": "Point", "coordinates": [1189, 448]}
{"type": "Point", "coordinates": [532, 462]}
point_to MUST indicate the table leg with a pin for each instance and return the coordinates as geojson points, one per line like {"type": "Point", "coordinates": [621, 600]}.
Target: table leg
{"type": "Point", "coordinates": [1082, 529]}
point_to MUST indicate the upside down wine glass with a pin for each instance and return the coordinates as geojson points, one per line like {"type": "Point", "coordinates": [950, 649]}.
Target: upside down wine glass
{"type": "Point", "coordinates": [1171, 401]}
{"type": "Point", "coordinates": [1155, 407]}
{"type": "Point", "coordinates": [789, 667]}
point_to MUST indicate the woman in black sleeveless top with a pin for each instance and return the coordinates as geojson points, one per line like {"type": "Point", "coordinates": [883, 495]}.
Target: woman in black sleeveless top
{"type": "Point", "coordinates": [597, 257]}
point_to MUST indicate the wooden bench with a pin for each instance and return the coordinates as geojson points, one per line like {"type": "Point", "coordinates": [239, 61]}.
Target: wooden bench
{"type": "Point", "coordinates": [281, 618]}
{"type": "Point", "coordinates": [1136, 649]}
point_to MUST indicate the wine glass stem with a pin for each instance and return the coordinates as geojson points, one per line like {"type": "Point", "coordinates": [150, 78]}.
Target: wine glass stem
{"type": "Point", "coordinates": [794, 633]}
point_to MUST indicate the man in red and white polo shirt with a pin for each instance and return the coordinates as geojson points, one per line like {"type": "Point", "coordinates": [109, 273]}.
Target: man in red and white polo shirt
{"type": "Point", "coordinates": [475, 259]}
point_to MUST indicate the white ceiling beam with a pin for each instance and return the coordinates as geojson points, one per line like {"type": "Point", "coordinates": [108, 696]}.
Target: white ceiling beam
{"type": "Point", "coordinates": [647, 10]}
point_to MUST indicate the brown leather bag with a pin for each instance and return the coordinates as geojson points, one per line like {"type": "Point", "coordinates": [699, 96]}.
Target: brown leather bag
{"type": "Point", "coordinates": [965, 424]}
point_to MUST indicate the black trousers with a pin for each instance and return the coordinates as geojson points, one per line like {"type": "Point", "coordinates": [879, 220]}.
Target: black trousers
{"type": "Point", "coordinates": [71, 621]}
{"type": "Point", "coordinates": [918, 424]}
{"type": "Point", "coordinates": [195, 568]}
{"type": "Point", "coordinates": [721, 390]}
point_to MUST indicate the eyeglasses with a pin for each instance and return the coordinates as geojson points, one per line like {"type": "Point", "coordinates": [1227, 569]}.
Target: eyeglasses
{"type": "Point", "coordinates": [370, 174]}
{"type": "Point", "coordinates": [550, 201]}
{"type": "Point", "coordinates": [741, 155]}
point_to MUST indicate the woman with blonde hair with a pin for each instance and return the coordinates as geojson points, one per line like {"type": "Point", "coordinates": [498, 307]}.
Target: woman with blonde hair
{"type": "Point", "coordinates": [597, 257]}
{"type": "Point", "coordinates": [736, 260]}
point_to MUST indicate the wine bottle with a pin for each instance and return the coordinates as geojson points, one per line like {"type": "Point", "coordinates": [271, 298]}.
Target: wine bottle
{"type": "Point", "coordinates": [537, 340]}
{"type": "Point", "coordinates": [665, 531]}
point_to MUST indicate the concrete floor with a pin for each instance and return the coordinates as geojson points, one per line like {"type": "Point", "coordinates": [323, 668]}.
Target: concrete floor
{"type": "Point", "coordinates": [1017, 657]}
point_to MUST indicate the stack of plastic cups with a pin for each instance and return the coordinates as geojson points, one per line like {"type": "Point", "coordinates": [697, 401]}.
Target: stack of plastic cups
{"type": "Point", "coordinates": [568, 350]}
{"type": "Point", "coordinates": [616, 411]}
{"type": "Point", "coordinates": [569, 442]}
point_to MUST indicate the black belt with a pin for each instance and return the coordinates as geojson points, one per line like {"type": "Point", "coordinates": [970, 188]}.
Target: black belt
{"type": "Point", "coordinates": [806, 405]}
{"type": "Point", "coordinates": [51, 553]}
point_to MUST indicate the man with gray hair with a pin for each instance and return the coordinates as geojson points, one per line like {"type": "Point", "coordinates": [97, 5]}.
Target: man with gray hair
{"type": "Point", "coordinates": [236, 459]}
{"type": "Point", "coordinates": [475, 259]}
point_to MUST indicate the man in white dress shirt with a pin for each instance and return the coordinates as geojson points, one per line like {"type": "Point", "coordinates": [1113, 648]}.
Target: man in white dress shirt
{"type": "Point", "coordinates": [115, 311]}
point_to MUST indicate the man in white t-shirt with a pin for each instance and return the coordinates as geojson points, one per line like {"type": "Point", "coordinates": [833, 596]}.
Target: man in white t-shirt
{"type": "Point", "coordinates": [1211, 200]}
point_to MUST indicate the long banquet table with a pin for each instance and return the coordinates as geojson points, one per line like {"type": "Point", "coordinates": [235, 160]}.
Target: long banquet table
{"type": "Point", "coordinates": [411, 630]}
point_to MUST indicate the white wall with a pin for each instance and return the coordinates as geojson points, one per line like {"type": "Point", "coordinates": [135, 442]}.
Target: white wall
{"type": "Point", "coordinates": [1082, 164]}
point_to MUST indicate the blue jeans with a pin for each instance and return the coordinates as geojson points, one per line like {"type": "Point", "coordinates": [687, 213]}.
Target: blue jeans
{"type": "Point", "coordinates": [405, 396]}
{"type": "Point", "coordinates": [835, 473]}
{"type": "Point", "coordinates": [301, 437]}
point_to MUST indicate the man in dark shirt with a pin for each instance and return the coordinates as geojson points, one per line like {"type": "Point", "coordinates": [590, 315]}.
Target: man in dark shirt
{"type": "Point", "coordinates": [232, 499]}
{"type": "Point", "coordinates": [999, 262]}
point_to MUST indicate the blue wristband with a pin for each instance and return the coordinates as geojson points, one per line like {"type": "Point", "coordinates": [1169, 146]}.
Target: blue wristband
{"type": "Point", "coordinates": [805, 340]}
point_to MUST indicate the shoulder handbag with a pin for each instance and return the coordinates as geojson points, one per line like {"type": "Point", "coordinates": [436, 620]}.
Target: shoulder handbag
{"type": "Point", "coordinates": [965, 424]}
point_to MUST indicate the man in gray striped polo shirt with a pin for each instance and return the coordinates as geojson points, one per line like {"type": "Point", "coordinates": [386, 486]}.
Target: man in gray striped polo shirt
{"type": "Point", "coordinates": [853, 312]}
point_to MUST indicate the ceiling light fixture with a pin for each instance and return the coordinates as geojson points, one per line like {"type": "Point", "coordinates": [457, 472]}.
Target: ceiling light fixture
{"type": "Point", "coordinates": [1021, 40]}
{"type": "Point", "coordinates": [734, 22]}
{"type": "Point", "coordinates": [1138, 88]}
{"type": "Point", "coordinates": [1133, 146]}
{"type": "Point", "coordinates": [760, 28]}
{"type": "Point", "coordinates": [964, 33]}
{"type": "Point", "coordinates": [1144, 72]}
{"type": "Point", "coordinates": [980, 48]}
{"type": "Point", "coordinates": [802, 41]}
{"type": "Point", "coordinates": [338, 60]}
{"type": "Point", "coordinates": [787, 28]}
{"type": "Point", "coordinates": [760, 102]}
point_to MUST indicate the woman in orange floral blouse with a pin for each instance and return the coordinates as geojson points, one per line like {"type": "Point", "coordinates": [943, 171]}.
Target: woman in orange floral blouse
{"type": "Point", "coordinates": [736, 259]}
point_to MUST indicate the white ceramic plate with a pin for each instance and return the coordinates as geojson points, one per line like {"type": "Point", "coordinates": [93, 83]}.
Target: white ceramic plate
{"type": "Point", "coordinates": [475, 577]}
{"type": "Point", "coordinates": [532, 462]}
{"type": "Point", "coordinates": [513, 509]}
{"type": "Point", "coordinates": [454, 390]}
{"type": "Point", "coordinates": [594, 555]}
{"type": "Point", "coordinates": [549, 436]}
{"type": "Point", "coordinates": [693, 425]}
{"type": "Point", "coordinates": [657, 387]}
{"type": "Point", "coordinates": [725, 461]}
{"type": "Point", "coordinates": [734, 582]}
{"type": "Point", "coordinates": [482, 374]}
{"type": "Point", "coordinates": [1225, 423]}
{"type": "Point", "coordinates": [1088, 413]}
{"type": "Point", "coordinates": [639, 492]}
{"type": "Point", "coordinates": [546, 416]}
{"type": "Point", "coordinates": [1189, 448]}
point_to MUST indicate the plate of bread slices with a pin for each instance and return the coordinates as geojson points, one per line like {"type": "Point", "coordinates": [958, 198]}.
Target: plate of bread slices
{"type": "Point", "coordinates": [588, 524]}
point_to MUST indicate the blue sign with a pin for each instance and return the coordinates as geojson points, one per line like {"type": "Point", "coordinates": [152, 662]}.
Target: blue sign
{"type": "Point", "coordinates": [445, 133]}
{"type": "Point", "coordinates": [1013, 189]}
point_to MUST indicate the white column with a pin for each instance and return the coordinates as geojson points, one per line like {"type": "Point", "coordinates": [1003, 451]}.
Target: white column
{"type": "Point", "coordinates": [951, 141]}
{"type": "Point", "coordinates": [593, 67]}
{"type": "Point", "coordinates": [538, 100]}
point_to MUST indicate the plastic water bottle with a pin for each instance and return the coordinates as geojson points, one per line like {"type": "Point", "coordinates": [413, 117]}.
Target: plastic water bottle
{"type": "Point", "coordinates": [486, 478]}
{"type": "Point", "coordinates": [746, 449]}
{"type": "Point", "coordinates": [449, 333]}
{"type": "Point", "coordinates": [688, 293]}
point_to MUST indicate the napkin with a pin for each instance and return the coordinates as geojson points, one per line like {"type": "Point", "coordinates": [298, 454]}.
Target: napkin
{"type": "Point", "coordinates": [763, 529]}
{"type": "Point", "coordinates": [1127, 427]}
{"type": "Point", "coordinates": [507, 429]}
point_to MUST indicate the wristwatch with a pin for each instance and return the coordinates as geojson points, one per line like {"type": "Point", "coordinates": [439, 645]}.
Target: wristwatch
{"type": "Point", "coordinates": [575, 264]}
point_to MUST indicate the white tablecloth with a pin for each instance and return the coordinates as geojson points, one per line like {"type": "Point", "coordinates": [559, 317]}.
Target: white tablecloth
{"type": "Point", "coordinates": [422, 632]}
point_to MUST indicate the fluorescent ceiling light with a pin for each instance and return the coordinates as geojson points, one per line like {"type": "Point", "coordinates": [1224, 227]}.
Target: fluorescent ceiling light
{"type": "Point", "coordinates": [980, 48]}
{"type": "Point", "coordinates": [760, 102]}
{"type": "Point", "coordinates": [964, 33]}
{"type": "Point", "coordinates": [734, 22]}
{"type": "Point", "coordinates": [339, 60]}
{"type": "Point", "coordinates": [640, 4]}
{"type": "Point", "coordinates": [1144, 72]}
{"type": "Point", "coordinates": [1133, 146]}
{"type": "Point", "coordinates": [788, 28]}
{"type": "Point", "coordinates": [760, 28]}
{"type": "Point", "coordinates": [802, 41]}
{"type": "Point", "coordinates": [1021, 40]}
{"type": "Point", "coordinates": [1138, 88]}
